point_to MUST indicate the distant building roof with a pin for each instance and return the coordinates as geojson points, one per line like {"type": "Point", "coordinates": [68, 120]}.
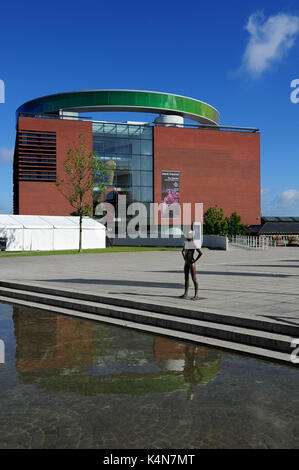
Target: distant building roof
{"type": "Point", "coordinates": [279, 228]}
{"type": "Point", "coordinates": [253, 229]}
{"type": "Point", "coordinates": [279, 219]}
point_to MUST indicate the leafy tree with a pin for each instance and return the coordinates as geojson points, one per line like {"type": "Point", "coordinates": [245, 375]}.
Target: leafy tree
{"type": "Point", "coordinates": [83, 171]}
{"type": "Point", "coordinates": [225, 227]}
{"type": "Point", "coordinates": [214, 221]}
{"type": "Point", "coordinates": [216, 224]}
{"type": "Point", "coordinates": [235, 227]}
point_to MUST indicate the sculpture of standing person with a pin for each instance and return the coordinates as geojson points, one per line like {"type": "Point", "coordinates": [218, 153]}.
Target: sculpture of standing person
{"type": "Point", "coordinates": [189, 268]}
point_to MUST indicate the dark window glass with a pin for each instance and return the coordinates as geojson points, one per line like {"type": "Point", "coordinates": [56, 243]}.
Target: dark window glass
{"type": "Point", "coordinates": [146, 194]}
{"type": "Point", "coordinates": [146, 147]}
{"type": "Point", "coordinates": [136, 193]}
{"type": "Point", "coordinates": [146, 132]}
{"type": "Point", "coordinates": [127, 151]}
{"type": "Point", "coordinates": [146, 163]}
{"type": "Point", "coordinates": [135, 178]}
{"type": "Point", "coordinates": [146, 178]}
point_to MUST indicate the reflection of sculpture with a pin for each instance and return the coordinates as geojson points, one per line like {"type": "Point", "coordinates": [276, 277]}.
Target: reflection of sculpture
{"type": "Point", "coordinates": [55, 353]}
{"type": "Point", "coordinates": [198, 364]}
{"type": "Point", "coordinates": [191, 370]}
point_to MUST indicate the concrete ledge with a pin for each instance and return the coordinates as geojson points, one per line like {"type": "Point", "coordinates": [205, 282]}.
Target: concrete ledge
{"type": "Point", "coordinates": [135, 312]}
{"type": "Point", "coordinates": [190, 312]}
{"type": "Point", "coordinates": [243, 349]}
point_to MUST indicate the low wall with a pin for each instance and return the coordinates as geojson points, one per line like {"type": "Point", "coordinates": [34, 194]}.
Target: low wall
{"type": "Point", "coordinates": [159, 241]}
{"type": "Point", "coordinates": [215, 242]}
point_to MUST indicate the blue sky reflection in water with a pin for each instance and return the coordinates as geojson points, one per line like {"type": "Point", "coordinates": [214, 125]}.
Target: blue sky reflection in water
{"type": "Point", "coordinates": [72, 383]}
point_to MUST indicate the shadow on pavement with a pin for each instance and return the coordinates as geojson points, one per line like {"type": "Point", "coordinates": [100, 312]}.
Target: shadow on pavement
{"type": "Point", "coordinates": [120, 282]}
{"type": "Point", "coordinates": [270, 265]}
{"type": "Point", "coordinates": [229, 273]}
{"type": "Point", "coordinates": [255, 292]}
{"type": "Point", "coordinates": [156, 295]}
{"type": "Point", "coordinates": [282, 319]}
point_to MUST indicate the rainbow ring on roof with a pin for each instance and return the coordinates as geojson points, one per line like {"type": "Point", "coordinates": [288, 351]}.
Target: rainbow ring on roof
{"type": "Point", "coordinates": [123, 100]}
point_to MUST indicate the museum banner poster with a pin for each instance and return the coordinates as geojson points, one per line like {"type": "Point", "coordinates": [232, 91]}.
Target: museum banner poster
{"type": "Point", "coordinates": [170, 194]}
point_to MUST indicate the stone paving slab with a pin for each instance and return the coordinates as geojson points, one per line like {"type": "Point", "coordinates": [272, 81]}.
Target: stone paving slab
{"type": "Point", "coordinates": [261, 284]}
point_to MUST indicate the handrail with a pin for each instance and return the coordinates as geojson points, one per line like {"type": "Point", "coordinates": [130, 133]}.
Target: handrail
{"type": "Point", "coordinates": [177, 125]}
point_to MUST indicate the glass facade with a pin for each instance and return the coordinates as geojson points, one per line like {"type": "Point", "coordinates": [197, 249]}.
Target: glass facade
{"type": "Point", "coordinates": [127, 150]}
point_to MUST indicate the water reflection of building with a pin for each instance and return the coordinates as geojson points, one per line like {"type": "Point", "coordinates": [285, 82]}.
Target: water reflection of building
{"type": "Point", "coordinates": [48, 341]}
{"type": "Point", "coordinates": [68, 354]}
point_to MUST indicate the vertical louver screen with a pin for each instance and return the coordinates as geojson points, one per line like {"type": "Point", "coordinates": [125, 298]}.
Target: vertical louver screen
{"type": "Point", "coordinates": [36, 156]}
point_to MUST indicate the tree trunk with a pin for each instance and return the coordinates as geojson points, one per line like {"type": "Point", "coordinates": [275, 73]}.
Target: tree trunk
{"type": "Point", "coordinates": [80, 233]}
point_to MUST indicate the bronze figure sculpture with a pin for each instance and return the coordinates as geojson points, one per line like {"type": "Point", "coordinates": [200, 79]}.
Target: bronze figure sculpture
{"type": "Point", "coordinates": [189, 268]}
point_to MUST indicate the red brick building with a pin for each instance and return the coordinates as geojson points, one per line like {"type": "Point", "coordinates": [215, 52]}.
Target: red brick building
{"type": "Point", "coordinates": [203, 163]}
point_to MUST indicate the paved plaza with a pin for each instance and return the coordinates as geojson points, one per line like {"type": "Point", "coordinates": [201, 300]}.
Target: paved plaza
{"type": "Point", "coordinates": [260, 284]}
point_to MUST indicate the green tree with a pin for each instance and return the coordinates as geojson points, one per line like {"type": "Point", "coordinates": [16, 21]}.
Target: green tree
{"type": "Point", "coordinates": [83, 170]}
{"type": "Point", "coordinates": [235, 226]}
{"type": "Point", "coordinates": [216, 224]}
{"type": "Point", "coordinates": [214, 221]}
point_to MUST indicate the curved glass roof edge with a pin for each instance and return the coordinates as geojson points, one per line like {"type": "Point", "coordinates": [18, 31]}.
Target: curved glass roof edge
{"type": "Point", "coordinates": [128, 100]}
{"type": "Point", "coordinates": [118, 90]}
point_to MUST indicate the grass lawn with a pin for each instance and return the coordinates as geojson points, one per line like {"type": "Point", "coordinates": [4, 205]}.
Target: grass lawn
{"type": "Point", "coordinates": [116, 249]}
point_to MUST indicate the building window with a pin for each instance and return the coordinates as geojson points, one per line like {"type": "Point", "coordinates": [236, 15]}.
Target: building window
{"type": "Point", "coordinates": [127, 150]}
{"type": "Point", "coordinates": [36, 156]}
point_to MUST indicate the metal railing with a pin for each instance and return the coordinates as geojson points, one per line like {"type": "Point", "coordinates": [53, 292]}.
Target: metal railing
{"type": "Point", "coordinates": [283, 240]}
{"type": "Point", "coordinates": [154, 124]}
{"type": "Point", "coordinates": [264, 241]}
{"type": "Point", "coordinates": [249, 242]}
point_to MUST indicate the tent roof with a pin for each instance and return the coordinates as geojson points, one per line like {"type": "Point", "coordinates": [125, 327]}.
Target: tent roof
{"type": "Point", "coordinates": [47, 222]}
{"type": "Point", "coordinates": [7, 221]}
{"type": "Point", "coordinates": [31, 221]}
{"type": "Point", "coordinates": [87, 223]}
{"type": "Point", "coordinates": [57, 221]}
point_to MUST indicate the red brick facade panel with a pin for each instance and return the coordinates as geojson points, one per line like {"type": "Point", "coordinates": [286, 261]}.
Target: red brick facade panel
{"type": "Point", "coordinates": [45, 198]}
{"type": "Point", "coordinates": [216, 167]}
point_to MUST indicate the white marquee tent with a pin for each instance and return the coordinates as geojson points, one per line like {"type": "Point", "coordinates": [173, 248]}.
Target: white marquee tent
{"type": "Point", "coordinates": [46, 233]}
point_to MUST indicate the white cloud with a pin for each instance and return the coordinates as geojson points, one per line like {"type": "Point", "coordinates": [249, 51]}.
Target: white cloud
{"type": "Point", "coordinates": [6, 155]}
{"type": "Point", "coordinates": [270, 39]}
{"type": "Point", "coordinates": [288, 198]}
{"type": "Point", "coordinates": [265, 191]}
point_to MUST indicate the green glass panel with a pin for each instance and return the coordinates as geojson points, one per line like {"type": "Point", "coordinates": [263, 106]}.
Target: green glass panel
{"type": "Point", "coordinates": [122, 99]}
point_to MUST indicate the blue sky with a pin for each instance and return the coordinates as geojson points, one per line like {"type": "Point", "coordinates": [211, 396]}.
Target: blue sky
{"type": "Point", "coordinates": [240, 58]}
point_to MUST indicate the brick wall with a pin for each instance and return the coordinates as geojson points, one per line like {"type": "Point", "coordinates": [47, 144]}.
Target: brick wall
{"type": "Point", "coordinates": [216, 167]}
{"type": "Point", "coordinates": [44, 198]}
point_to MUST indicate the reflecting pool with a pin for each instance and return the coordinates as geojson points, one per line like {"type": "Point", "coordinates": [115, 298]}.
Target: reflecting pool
{"type": "Point", "coordinates": [71, 383]}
